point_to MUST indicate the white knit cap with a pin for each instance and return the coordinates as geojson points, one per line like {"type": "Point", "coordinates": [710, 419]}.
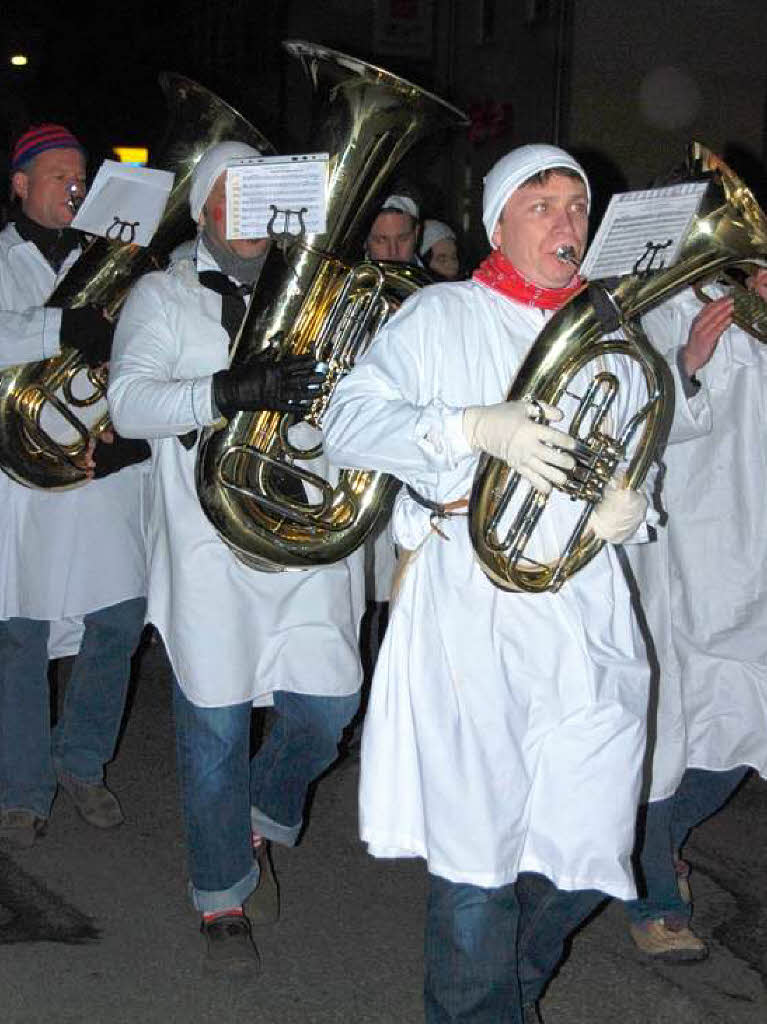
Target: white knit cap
{"type": "Point", "coordinates": [515, 168]}
{"type": "Point", "coordinates": [211, 164]}
{"type": "Point", "coordinates": [402, 203]}
{"type": "Point", "coordinates": [434, 231]}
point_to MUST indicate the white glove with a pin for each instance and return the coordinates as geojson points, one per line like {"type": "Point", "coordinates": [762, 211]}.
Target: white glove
{"type": "Point", "coordinates": [507, 431]}
{"type": "Point", "coordinates": [619, 514]}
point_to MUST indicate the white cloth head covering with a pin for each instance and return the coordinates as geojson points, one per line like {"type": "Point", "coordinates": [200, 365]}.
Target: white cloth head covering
{"type": "Point", "coordinates": [402, 203]}
{"type": "Point", "coordinates": [211, 164]}
{"type": "Point", "coordinates": [434, 231]}
{"type": "Point", "coordinates": [515, 168]}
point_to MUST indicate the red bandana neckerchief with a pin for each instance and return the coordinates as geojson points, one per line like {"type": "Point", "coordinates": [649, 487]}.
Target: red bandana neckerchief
{"type": "Point", "coordinates": [499, 273]}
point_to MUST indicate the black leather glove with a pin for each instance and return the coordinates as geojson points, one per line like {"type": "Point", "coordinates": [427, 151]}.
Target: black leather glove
{"type": "Point", "coordinates": [89, 331]}
{"type": "Point", "coordinates": [288, 386]}
{"type": "Point", "coordinates": [122, 452]}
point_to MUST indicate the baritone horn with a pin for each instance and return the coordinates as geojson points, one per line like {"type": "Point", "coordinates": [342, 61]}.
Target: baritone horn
{"type": "Point", "coordinates": [602, 320]}
{"type": "Point", "coordinates": [50, 410]}
{"type": "Point", "coordinates": [265, 495]}
{"type": "Point", "coordinates": [749, 308]}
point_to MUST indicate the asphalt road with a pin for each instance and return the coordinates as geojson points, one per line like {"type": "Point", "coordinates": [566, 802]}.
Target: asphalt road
{"type": "Point", "coordinates": [96, 927]}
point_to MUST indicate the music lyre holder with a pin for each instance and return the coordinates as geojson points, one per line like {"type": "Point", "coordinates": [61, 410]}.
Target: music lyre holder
{"type": "Point", "coordinates": [286, 237]}
{"type": "Point", "coordinates": [646, 265]}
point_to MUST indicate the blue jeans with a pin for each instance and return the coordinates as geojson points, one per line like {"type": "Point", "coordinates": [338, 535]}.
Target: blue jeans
{"type": "Point", "coordinates": [224, 793]}
{"type": "Point", "coordinates": [489, 952]}
{"type": "Point", "coordinates": [31, 754]}
{"type": "Point", "coordinates": [666, 827]}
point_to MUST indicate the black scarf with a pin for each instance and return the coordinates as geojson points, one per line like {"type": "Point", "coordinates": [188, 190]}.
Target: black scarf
{"type": "Point", "coordinates": [232, 298]}
{"type": "Point", "coordinates": [54, 243]}
{"type": "Point", "coordinates": [233, 302]}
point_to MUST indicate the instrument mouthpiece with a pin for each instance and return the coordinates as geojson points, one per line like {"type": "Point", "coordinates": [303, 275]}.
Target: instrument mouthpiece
{"type": "Point", "coordinates": [75, 200]}
{"type": "Point", "coordinates": [566, 253]}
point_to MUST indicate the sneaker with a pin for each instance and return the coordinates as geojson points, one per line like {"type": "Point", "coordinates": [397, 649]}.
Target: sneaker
{"type": "Point", "coordinates": [94, 802]}
{"type": "Point", "coordinates": [20, 828]}
{"type": "Point", "coordinates": [263, 905]}
{"type": "Point", "coordinates": [664, 940]}
{"type": "Point", "coordinates": [230, 947]}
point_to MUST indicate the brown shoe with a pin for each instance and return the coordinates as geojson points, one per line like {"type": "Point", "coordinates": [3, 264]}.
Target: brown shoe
{"type": "Point", "coordinates": [263, 905]}
{"type": "Point", "coordinates": [94, 802]}
{"type": "Point", "coordinates": [20, 828]}
{"type": "Point", "coordinates": [230, 947]}
{"type": "Point", "coordinates": [682, 869]}
{"type": "Point", "coordinates": [665, 941]}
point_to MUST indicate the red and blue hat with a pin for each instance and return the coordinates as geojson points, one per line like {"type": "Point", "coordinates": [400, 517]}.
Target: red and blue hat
{"type": "Point", "coordinates": [38, 139]}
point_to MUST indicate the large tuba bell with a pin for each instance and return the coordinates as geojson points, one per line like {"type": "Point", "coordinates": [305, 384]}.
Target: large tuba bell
{"type": "Point", "coordinates": [50, 410]}
{"type": "Point", "coordinates": [729, 230]}
{"type": "Point", "coordinates": [256, 487]}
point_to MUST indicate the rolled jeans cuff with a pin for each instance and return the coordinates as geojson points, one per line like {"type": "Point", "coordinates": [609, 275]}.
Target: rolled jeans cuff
{"type": "Point", "coordinates": [209, 901]}
{"type": "Point", "coordinates": [265, 826]}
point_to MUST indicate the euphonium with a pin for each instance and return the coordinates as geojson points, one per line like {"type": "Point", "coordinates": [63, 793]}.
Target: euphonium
{"type": "Point", "coordinates": [250, 477]}
{"type": "Point", "coordinates": [729, 230]}
{"type": "Point", "coordinates": [57, 390]}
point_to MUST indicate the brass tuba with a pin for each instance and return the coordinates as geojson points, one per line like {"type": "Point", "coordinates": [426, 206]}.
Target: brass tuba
{"type": "Point", "coordinates": [256, 487]}
{"type": "Point", "coordinates": [64, 386]}
{"type": "Point", "coordinates": [730, 230]}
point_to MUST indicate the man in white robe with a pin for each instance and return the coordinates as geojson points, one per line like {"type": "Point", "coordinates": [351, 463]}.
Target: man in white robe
{"type": "Point", "coordinates": [235, 637]}
{"type": "Point", "coordinates": [72, 577]}
{"type": "Point", "coordinates": [511, 725]}
{"type": "Point", "coordinates": [703, 588]}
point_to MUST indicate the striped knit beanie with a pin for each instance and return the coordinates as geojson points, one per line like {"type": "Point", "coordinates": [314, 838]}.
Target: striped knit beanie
{"type": "Point", "coordinates": [38, 139]}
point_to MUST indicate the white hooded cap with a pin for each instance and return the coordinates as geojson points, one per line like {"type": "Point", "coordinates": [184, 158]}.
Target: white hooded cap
{"type": "Point", "coordinates": [402, 203]}
{"type": "Point", "coordinates": [515, 168]}
{"type": "Point", "coordinates": [211, 164]}
{"type": "Point", "coordinates": [434, 231]}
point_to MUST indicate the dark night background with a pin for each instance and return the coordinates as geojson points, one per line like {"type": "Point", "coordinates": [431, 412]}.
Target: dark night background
{"type": "Point", "coordinates": [624, 86]}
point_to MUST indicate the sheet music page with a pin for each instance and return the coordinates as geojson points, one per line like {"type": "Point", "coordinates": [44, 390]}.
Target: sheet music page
{"type": "Point", "coordinates": [272, 190]}
{"type": "Point", "coordinates": [124, 203]}
{"type": "Point", "coordinates": [638, 223]}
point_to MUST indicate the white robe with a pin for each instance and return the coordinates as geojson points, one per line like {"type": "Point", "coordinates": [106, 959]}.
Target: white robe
{"type": "Point", "coordinates": [704, 583]}
{"type": "Point", "coordinates": [232, 634]}
{"type": "Point", "coordinates": [505, 732]}
{"type": "Point", "coordinates": [62, 554]}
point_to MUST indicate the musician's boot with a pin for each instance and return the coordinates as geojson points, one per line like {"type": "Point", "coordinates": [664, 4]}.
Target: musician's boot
{"type": "Point", "coordinates": [668, 940]}
{"type": "Point", "coordinates": [263, 904]}
{"type": "Point", "coordinates": [230, 946]}
{"type": "Point", "coordinates": [94, 802]}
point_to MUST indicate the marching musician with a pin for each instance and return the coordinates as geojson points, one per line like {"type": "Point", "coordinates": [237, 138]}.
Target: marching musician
{"type": "Point", "coordinates": [703, 587]}
{"type": "Point", "coordinates": [511, 725]}
{"type": "Point", "coordinates": [72, 562]}
{"type": "Point", "coordinates": [235, 637]}
{"type": "Point", "coordinates": [393, 234]}
{"type": "Point", "coordinates": [439, 251]}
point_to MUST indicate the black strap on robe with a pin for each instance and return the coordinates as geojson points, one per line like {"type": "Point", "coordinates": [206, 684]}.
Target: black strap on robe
{"type": "Point", "coordinates": [233, 304]}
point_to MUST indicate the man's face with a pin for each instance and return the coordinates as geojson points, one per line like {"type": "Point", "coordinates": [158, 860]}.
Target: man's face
{"type": "Point", "coordinates": [213, 216]}
{"type": "Point", "coordinates": [393, 237]}
{"type": "Point", "coordinates": [537, 220]}
{"type": "Point", "coordinates": [757, 282]}
{"type": "Point", "coordinates": [44, 186]}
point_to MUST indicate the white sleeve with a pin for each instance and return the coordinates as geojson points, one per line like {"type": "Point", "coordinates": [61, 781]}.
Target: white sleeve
{"type": "Point", "coordinates": [387, 414]}
{"type": "Point", "coordinates": [667, 328]}
{"type": "Point", "coordinates": [145, 400]}
{"type": "Point", "coordinates": [29, 336]}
